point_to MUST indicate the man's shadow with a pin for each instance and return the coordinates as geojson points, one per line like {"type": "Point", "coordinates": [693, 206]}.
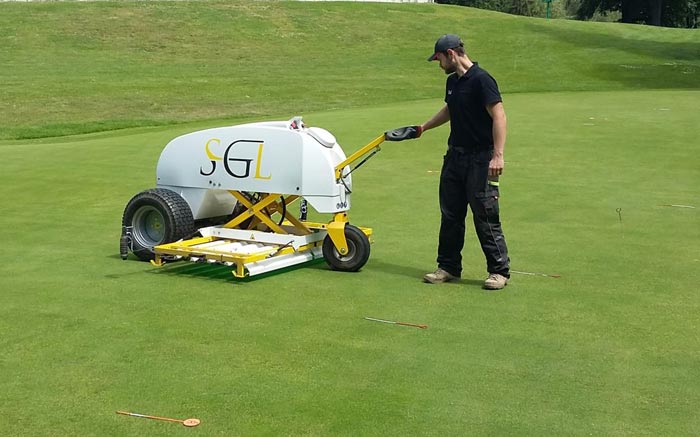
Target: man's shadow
{"type": "Point", "coordinates": [410, 271]}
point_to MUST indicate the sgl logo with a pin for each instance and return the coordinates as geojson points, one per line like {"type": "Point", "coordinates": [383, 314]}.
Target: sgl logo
{"type": "Point", "coordinates": [236, 160]}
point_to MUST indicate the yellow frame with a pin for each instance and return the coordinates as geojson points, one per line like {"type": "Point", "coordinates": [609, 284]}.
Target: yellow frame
{"type": "Point", "coordinates": [374, 144]}
{"type": "Point", "coordinates": [186, 248]}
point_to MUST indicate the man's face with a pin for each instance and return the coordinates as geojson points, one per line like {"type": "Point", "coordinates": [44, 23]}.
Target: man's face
{"type": "Point", "coordinates": [447, 61]}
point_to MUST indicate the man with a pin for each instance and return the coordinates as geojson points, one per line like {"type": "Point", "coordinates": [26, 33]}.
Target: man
{"type": "Point", "coordinates": [472, 164]}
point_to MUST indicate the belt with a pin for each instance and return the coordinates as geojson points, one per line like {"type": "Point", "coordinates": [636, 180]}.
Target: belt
{"type": "Point", "coordinates": [469, 150]}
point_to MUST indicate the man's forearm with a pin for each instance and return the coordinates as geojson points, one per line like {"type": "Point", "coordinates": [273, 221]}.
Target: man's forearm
{"type": "Point", "coordinates": [498, 115]}
{"type": "Point", "coordinates": [442, 117]}
{"type": "Point", "coordinates": [499, 136]}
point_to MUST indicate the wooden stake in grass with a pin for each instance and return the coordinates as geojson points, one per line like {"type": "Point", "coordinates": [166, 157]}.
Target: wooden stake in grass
{"type": "Point", "coordinates": [680, 206]}
{"type": "Point", "coordinates": [535, 274]}
{"type": "Point", "coordinates": [187, 422]}
{"type": "Point", "coordinates": [397, 323]}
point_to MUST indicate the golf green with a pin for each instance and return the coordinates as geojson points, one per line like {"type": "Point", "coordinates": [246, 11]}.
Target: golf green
{"type": "Point", "coordinates": [607, 348]}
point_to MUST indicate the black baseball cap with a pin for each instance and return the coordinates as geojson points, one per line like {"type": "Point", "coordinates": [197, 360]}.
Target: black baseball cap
{"type": "Point", "coordinates": [445, 42]}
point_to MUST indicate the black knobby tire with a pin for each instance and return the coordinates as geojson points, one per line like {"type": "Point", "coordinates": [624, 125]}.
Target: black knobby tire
{"type": "Point", "coordinates": [156, 216]}
{"type": "Point", "coordinates": [358, 251]}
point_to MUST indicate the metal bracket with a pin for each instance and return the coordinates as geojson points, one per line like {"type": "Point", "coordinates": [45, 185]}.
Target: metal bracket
{"type": "Point", "coordinates": [125, 242]}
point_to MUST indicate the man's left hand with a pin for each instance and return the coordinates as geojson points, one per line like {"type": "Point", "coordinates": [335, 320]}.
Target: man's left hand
{"type": "Point", "coordinates": [496, 166]}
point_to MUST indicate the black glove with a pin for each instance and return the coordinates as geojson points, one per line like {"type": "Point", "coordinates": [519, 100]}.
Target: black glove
{"type": "Point", "coordinates": [403, 133]}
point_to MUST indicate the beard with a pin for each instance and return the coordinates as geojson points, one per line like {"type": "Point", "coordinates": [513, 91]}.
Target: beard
{"type": "Point", "coordinates": [449, 67]}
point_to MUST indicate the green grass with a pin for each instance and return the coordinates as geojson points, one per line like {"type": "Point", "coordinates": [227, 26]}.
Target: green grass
{"type": "Point", "coordinates": [84, 67]}
{"type": "Point", "coordinates": [610, 348]}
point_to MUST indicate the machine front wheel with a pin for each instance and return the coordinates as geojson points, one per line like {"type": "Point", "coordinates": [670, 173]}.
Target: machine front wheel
{"type": "Point", "coordinates": [154, 217]}
{"type": "Point", "coordinates": [358, 251]}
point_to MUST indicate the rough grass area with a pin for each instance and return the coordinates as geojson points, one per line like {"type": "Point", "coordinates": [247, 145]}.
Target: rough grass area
{"type": "Point", "coordinates": [92, 66]}
{"type": "Point", "coordinates": [607, 349]}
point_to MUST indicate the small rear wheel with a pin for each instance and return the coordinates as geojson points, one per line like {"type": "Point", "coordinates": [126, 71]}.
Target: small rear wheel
{"type": "Point", "coordinates": [153, 217]}
{"type": "Point", "coordinates": [358, 251]}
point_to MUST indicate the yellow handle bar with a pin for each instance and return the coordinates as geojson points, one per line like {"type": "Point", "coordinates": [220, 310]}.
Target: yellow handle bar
{"type": "Point", "coordinates": [374, 144]}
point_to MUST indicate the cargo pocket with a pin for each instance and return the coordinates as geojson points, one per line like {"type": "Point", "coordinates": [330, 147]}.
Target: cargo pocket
{"type": "Point", "coordinates": [489, 202]}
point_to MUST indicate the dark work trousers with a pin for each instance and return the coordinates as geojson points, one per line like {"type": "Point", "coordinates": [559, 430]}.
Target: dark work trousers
{"type": "Point", "coordinates": [464, 181]}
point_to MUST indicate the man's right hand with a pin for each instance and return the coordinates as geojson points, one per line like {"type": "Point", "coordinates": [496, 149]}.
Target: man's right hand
{"type": "Point", "coordinates": [403, 133]}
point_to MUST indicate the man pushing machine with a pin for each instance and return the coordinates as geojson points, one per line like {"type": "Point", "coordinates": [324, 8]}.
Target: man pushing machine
{"type": "Point", "coordinates": [472, 165]}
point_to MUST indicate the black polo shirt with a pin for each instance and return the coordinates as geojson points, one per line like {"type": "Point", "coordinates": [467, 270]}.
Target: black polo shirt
{"type": "Point", "coordinates": [471, 126]}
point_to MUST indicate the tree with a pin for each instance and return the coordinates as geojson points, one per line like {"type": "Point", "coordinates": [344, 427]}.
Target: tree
{"type": "Point", "coordinates": [670, 13]}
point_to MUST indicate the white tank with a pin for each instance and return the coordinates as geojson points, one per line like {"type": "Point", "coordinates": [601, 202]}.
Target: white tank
{"type": "Point", "coordinates": [282, 157]}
